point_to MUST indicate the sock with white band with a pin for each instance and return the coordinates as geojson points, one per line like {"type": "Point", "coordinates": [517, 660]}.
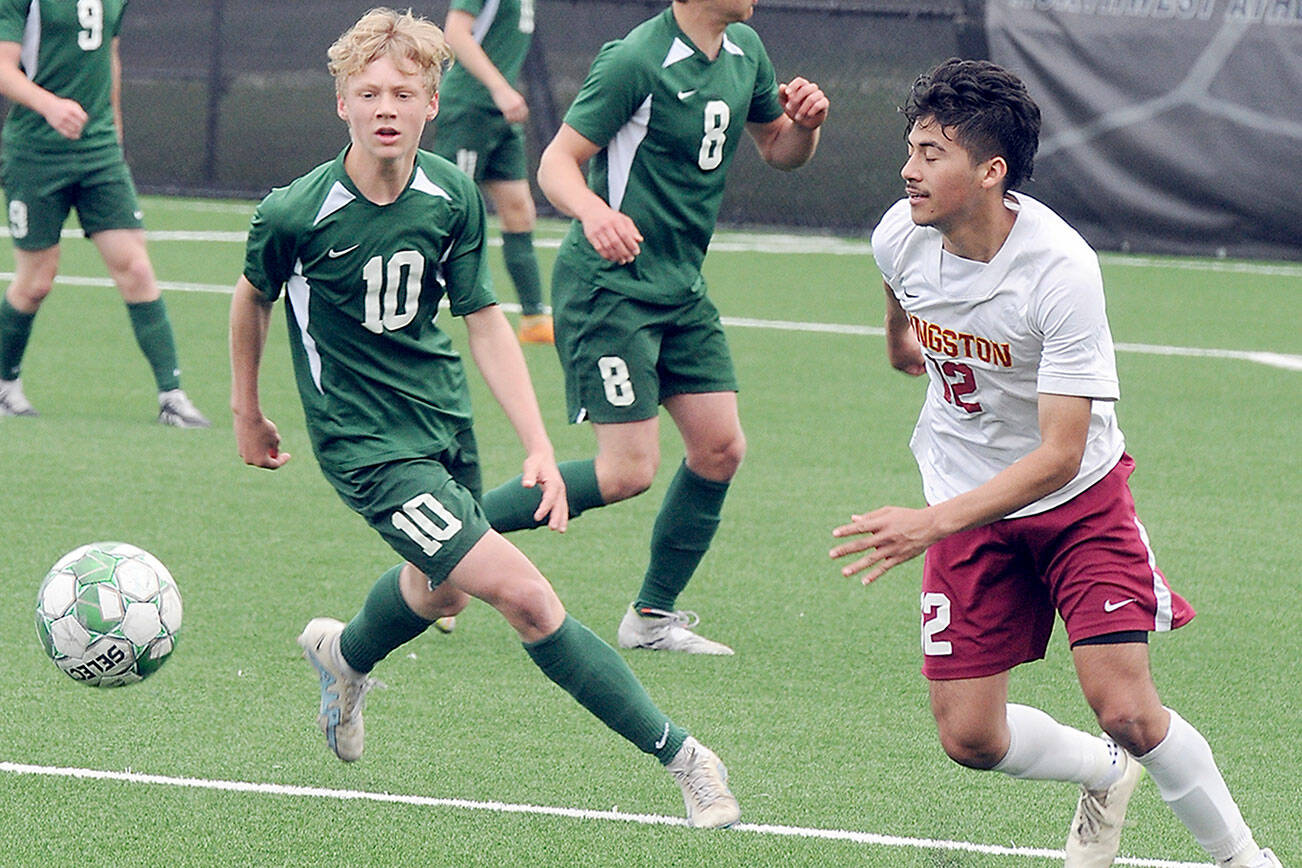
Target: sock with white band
{"type": "Point", "coordinates": [1186, 775]}
{"type": "Point", "coordinates": [1040, 748]}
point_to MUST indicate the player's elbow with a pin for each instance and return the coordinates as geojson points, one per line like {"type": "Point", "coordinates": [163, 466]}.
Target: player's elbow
{"type": "Point", "coordinates": [1063, 466]}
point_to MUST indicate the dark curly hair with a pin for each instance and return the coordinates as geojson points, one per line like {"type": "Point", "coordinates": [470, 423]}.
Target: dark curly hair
{"type": "Point", "coordinates": [986, 106]}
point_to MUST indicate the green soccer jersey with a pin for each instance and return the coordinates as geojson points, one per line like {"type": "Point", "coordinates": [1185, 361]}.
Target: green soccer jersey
{"type": "Point", "coordinates": [66, 49]}
{"type": "Point", "coordinates": [378, 378]}
{"type": "Point", "coordinates": [504, 29]}
{"type": "Point", "coordinates": [668, 120]}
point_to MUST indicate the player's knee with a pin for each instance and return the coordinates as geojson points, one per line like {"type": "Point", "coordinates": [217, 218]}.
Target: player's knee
{"type": "Point", "coordinates": [971, 748]}
{"type": "Point", "coordinates": [31, 286]}
{"type": "Point", "coordinates": [719, 461]}
{"type": "Point", "coordinates": [628, 477]}
{"type": "Point", "coordinates": [530, 605]}
{"type": "Point", "coordinates": [135, 279]}
{"type": "Point", "coordinates": [1134, 727]}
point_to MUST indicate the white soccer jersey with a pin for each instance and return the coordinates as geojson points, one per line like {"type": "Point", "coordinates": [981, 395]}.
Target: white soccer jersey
{"type": "Point", "coordinates": [995, 335]}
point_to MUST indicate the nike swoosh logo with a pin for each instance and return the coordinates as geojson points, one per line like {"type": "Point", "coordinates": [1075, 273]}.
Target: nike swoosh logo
{"type": "Point", "coordinates": [335, 254]}
{"type": "Point", "coordinates": [664, 739]}
{"type": "Point", "coordinates": [684, 94]}
{"type": "Point", "coordinates": [1109, 606]}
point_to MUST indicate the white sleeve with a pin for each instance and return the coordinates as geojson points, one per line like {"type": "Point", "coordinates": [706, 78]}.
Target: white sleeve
{"type": "Point", "coordinates": [889, 237]}
{"type": "Point", "coordinates": [1070, 315]}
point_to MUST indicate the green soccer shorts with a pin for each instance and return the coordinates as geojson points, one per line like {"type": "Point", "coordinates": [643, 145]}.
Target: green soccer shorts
{"type": "Point", "coordinates": [482, 144]}
{"type": "Point", "coordinates": [42, 192]}
{"type": "Point", "coordinates": [426, 509]}
{"type": "Point", "coordinates": [623, 356]}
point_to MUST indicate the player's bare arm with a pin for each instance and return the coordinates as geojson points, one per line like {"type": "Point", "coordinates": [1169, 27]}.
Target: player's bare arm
{"type": "Point", "coordinates": [902, 347]}
{"type": "Point", "coordinates": [66, 116]}
{"type": "Point", "coordinates": [497, 354]}
{"type": "Point", "coordinates": [256, 436]}
{"type": "Point", "coordinates": [458, 29]}
{"type": "Point", "coordinates": [789, 141]}
{"type": "Point", "coordinates": [560, 175]}
{"type": "Point", "coordinates": [892, 535]}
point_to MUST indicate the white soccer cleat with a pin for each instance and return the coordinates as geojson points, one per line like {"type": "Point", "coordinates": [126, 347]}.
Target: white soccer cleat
{"type": "Point", "coordinates": [658, 630]}
{"type": "Point", "coordinates": [1254, 858]}
{"type": "Point", "coordinates": [176, 409]}
{"type": "Point", "coordinates": [704, 780]}
{"type": "Point", "coordinates": [12, 400]}
{"type": "Point", "coordinates": [446, 624]}
{"type": "Point", "coordinates": [343, 693]}
{"type": "Point", "coordinates": [1095, 834]}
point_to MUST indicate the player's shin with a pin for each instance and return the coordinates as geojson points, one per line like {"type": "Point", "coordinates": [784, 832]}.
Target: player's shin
{"type": "Point", "coordinates": [384, 623]}
{"type": "Point", "coordinates": [1186, 775]}
{"type": "Point", "coordinates": [510, 506]}
{"type": "Point", "coordinates": [594, 674]}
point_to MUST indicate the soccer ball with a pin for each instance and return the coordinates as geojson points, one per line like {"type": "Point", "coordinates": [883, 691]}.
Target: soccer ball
{"type": "Point", "coordinates": [108, 614]}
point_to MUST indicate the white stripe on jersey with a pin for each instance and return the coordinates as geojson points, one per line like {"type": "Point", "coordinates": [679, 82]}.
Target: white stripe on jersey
{"type": "Point", "coordinates": [679, 50]}
{"type": "Point", "coordinates": [31, 40]}
{"type": "Point", "coordinates": [621, 151]}
{"type": "Point", "coordinates": [337, 198]}
{"type": "Point", "coordinates": [1162, 618]}
{"type": "Point", "coordinates": [484, 20]}
{"type": "Point", "coordinates": [298, 290]}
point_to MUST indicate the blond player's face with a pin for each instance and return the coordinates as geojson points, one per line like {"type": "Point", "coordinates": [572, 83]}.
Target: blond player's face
{"type": "Point", "coordinates": [386, 107]}
{"type": "Point", "coordinates": [940, 178]}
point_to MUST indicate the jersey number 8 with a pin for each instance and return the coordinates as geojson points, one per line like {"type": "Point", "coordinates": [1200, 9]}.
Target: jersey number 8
{"type": "Point", "coordinates": [717, 118]}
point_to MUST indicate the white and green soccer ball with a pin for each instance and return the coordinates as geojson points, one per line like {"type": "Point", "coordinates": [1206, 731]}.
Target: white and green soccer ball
{"type": "Point", "coordinates": [108, 614]}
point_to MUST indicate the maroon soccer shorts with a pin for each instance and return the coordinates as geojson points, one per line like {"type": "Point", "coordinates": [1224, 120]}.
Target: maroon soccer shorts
{"type": "Point", "coordinates": [989, 594]}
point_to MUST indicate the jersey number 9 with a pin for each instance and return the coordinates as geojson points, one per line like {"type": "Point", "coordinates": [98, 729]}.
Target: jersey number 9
{"type": "Point", "coordinates": [90, 15]}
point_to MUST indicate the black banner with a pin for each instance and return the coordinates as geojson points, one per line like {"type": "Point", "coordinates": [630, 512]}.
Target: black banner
{"type": "Point", "coordinates": [1170, 126]}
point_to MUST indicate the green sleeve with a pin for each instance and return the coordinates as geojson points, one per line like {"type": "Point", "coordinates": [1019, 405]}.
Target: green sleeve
{"type": "Point", "coordinates": [474, 7]}
{"type": "Point", "coordinates": [270, 250]}
{"type": "Point", "coordinates": [614, 89]}
{"type": "Point", "coordinates": [469, 282]}
{"type": "Point", "coordinates": [13, 20]}
{"type": "Point", "coordinates": [764, 105]}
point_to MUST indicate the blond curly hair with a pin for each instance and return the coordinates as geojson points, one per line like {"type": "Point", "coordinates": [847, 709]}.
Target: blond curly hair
{"type": "Point", "coordinates": [404, 37]}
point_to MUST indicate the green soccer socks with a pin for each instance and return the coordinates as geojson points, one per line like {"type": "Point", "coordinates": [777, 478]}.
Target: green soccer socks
{"type": "Point", "coordinates": [522, 265]}
{"type": "Point", "coordinates": [15, 330]}
{"type": "Point", "coordinates": [153, 332]}
{"type": "Point", "coordinates": [384, 623]}
{"type": "Point", "coordinates": [595, 675]}
{"type": "Point", "coordinates": [511, 506]}
{"type": "Point", "coordinates": [688, 519]}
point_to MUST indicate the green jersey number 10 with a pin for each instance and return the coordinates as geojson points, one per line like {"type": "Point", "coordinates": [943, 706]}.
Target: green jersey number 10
{"type": "Point", "coordinates": [392, 304]}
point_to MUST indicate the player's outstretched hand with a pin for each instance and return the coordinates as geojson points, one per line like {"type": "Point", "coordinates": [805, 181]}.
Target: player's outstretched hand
{"type": "Point", "coordinates": [555, 507]}
{"type": "Point", "coordinates": [259, 442]}
{"type": "Point", "coordinates": [804, 102]}
{"type": "Point", "coordinates": [891, 535]}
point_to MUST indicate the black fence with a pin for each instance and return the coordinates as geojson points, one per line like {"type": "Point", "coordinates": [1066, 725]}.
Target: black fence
{"type": "Point", "coordinates": [232, 98]}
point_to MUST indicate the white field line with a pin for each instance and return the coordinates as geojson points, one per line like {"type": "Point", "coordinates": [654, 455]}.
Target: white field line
{"type": "Point", "coordinates": [867, 838]}
{"type": "Point", "coordinates": [777, 243]}
{"type": "Point", "coordinates": [1286, 361]}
